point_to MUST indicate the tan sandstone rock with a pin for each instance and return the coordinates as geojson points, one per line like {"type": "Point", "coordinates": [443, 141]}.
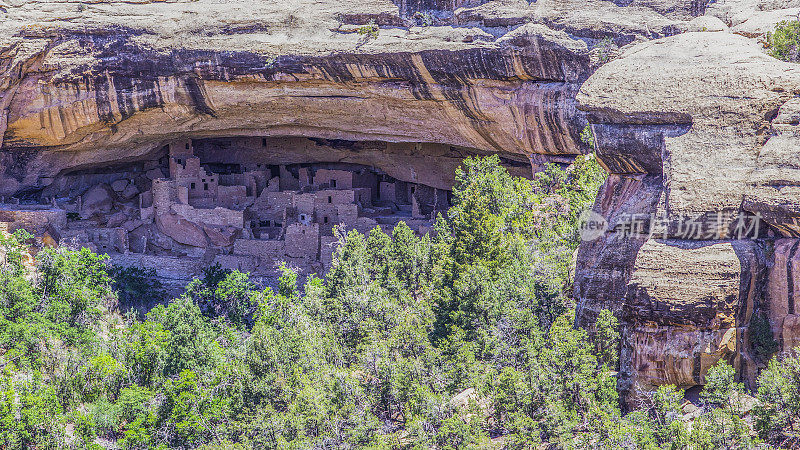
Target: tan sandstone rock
{"type": "Point", "coordinates": [783, 293]}
{"type": "Point", "coordinates": [96, 201]}
{"type": "Point", "coordinates": [181, 230]}
{"type": "Point", "coordinates": [704, 23]}
{"type": "Point", "coordinates": [690, 302]}
{"type": "Point", "coordinates": [691, 125]}
{"type": "Point", "coordinates": [86, 84]}
{"type": "Point", "coordinates": [221, 237]}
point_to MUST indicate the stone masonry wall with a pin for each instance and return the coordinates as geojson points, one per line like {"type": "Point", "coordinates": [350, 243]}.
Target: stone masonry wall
{"type": "Point", "coordinates": [221, 217]}
{"type": "Point", "coordinates": [259, 248]}
{"type": "Point", "coordinates": [302, 241]}
{"type": "Point", "coordinates": [34, 220]}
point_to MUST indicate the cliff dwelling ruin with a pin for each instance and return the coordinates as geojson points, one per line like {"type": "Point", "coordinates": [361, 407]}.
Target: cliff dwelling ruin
{"type": "Point", "coordinates": [243, 135]}
{"type": "Point", "coordinates": [248, 204]}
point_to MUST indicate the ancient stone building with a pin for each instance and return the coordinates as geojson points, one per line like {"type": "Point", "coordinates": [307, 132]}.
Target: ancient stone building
{"type": "Point", "coordinates": [181, 211]}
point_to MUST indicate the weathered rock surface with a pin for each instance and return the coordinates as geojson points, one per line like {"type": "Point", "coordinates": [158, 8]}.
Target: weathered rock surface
{"type": "Point", "coordinates": [700, 130]}
{"type": "Point", "coordinates": [96, 201]}
{"type": "Point", "coordinates": [104, 82]}
{"type": "Point", "coordinates": [98, 82]}
{"type": "Point", "coordinates": [782, 293]}
{"type": "Point", "coordinates": [753, 18]}
{"type": "Point", "coordinates": [690, 303]}
{"type": "Point", "coordinates": [181, 230]}
{"type": "Point", "coordinates": [223, 237]}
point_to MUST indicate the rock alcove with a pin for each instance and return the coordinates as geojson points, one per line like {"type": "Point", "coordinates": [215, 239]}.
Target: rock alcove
{"type": "Point", "coordinates": [245, 203]}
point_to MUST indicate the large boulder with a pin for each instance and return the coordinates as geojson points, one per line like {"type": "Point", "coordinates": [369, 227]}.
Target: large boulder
{"type": "Point", "coordinates": [181, 230]}
{"type": "Point", "coordinates": [96, 201]}
{"type": "Point", "coordinates": [221, 236]}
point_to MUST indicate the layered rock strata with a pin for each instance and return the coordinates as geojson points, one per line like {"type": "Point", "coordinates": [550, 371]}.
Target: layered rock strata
{"type": "Point", "coordinates": [701, 140]}
{"type": "Point", "coordinates": [87, 83]}
{"type": "Point", "coordinates": [94, 83]}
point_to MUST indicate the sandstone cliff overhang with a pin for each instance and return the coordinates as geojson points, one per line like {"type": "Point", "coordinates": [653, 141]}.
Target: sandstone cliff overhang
{"type": "Point", "coordinates": [99, 82]}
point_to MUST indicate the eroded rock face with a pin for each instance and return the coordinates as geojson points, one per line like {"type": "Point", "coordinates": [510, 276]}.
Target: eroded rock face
{"type": "Point", "coordinates": [85, 84]}
{"type": "Point", "coordinates": [782, 293]}
{"type": "Point", "coordinates": [689, 303]}
{"type": "Point", "coordinates": [94, 83]}
{"type": "Point", "coordinates": [699, 132]}
{"type": "Point", "coordinates": [96, 201]}
{"type": "Point", "coordinates": [181, 230]}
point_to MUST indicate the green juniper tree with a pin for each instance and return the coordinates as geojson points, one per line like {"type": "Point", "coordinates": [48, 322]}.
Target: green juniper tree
{"type": "Point", "coordinates": [443, 341]}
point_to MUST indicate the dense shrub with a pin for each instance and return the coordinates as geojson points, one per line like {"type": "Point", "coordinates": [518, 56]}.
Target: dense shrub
{"type": "Point", "coordinates": [137, 287]}
{"type": "Point", "coordinates": [778, 412]}
{"type": "Point", "coordinates": [784, 42]}
{"type": "Point", "coordinates": [444, 341]}
{"type": "Point", "coordinates": [763, 342]}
